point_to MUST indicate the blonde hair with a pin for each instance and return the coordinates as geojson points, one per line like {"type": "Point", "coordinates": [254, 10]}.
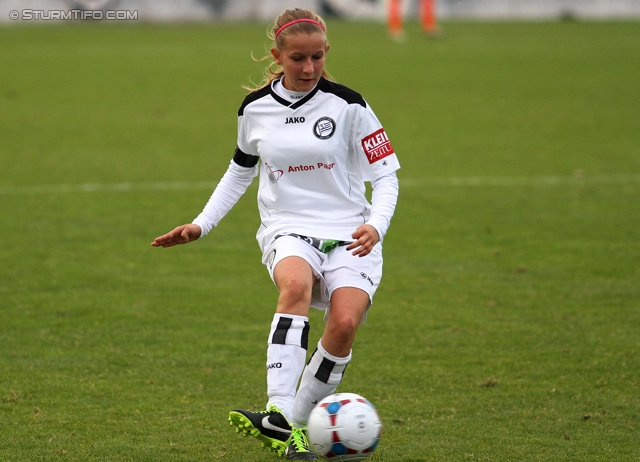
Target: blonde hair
{"type": "Point", "coordinates": [274, 71]}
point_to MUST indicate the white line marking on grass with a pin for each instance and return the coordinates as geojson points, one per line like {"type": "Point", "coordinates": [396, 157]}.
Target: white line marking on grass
{"type": "Point", "coordinates": [108, 187]}
{"type": "Point", "coordinates": [551, 180]}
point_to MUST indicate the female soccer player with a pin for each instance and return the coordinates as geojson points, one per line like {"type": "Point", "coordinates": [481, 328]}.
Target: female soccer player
{"type": "Point", "coordinates": [314, 143]}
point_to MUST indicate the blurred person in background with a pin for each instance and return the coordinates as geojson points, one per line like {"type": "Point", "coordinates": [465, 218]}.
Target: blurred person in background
{"type": "Point", "coordinates": [426, 12]}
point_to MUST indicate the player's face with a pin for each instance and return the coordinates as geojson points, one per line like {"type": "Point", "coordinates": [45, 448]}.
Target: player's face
{"type": "Point", "coordinates": [302, 60]}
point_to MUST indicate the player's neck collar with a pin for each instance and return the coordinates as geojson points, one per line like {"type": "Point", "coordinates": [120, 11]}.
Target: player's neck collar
{"type": "Point", "coordinates": [289, 95]}
{"type": "Point", "coordinates": [278, 93]}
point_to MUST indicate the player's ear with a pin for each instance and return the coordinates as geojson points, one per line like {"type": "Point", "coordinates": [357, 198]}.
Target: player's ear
{"type": "Point", "coordinates": [276, 55]}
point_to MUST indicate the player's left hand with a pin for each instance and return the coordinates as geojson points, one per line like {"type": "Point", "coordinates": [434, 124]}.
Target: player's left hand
{"type": "Point", "coordinates": [366, 238]}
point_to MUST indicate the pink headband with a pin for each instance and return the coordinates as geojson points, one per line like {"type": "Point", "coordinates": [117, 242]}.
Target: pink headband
{"type": "Point", "coordinates": [297, 21]}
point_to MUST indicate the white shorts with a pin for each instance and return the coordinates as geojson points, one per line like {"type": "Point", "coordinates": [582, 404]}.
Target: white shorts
{"type": "Point", "coordinates": [333, 270]}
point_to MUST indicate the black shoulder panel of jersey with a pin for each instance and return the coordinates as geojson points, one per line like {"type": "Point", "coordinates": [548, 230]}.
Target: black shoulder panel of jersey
{"type": "Point", "coordinates": [346, 93]}
{"type": "Point", "coordinates": [254, 96]}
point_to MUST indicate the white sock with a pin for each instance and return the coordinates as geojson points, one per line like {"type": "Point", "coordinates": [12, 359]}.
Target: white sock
{"type": "Point", "coordinates": [286, 355]}
{"type": "Point", "coordinates": [320, 379]}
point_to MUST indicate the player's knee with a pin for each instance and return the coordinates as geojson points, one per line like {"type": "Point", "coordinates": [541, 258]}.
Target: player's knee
{"type": "Point", "coordinates": [295, 290]}
{"type": "Point", "coordinates": [343, 331]}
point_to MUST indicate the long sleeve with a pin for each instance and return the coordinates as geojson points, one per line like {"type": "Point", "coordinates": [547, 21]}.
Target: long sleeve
{"type": "Point", "coordinates": [232, 186]}
{"type": "Point", "coordinates": [383, 202]}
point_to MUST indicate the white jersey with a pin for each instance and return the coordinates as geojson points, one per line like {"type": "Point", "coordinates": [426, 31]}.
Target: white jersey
{"type": "Point", "coordinates": [314, 155]}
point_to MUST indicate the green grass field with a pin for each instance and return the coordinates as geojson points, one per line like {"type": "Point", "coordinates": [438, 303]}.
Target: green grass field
{"type": "Point", "coordinates": [506, 328]}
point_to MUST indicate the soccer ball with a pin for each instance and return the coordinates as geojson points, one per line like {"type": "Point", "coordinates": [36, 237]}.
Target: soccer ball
{"type": "Point", "coordinates": [344, 426]}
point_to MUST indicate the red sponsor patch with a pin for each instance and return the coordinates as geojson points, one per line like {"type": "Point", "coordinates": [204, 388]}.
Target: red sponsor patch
{"type": "Point", "coordinates": [377, 146]}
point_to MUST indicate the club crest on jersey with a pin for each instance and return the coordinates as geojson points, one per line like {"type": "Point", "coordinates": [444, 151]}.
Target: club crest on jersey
{"type": "Point", "coordinates": [377, 146]}
{"type": "Point", "coordinates": [272, 174]}
{"type": "Point", "coordinates": [324, 128]}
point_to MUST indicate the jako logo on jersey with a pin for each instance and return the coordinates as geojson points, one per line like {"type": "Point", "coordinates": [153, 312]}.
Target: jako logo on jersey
{"type": "Point", "coordinates": [274, 366]}
{"type": "Point", "coordinates": [273, 175]}
{"type": "Point", "coordinates": [294, 120]}
{"type": "Point", "coordinates": [324, 128]}
{"type": "Point", "coordinates": [377, 146]}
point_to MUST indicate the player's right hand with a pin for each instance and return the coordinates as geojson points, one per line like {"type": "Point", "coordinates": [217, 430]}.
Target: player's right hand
{"type": "Point", "coordinates": [180, 235]}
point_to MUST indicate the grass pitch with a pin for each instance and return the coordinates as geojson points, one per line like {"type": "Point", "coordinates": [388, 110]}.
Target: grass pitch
{"type": "Point", "coordinates": [506, 327]}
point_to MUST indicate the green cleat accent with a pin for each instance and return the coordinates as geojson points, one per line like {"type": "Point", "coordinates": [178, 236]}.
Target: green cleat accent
{"type": "Point", "coordinates": [299, 448]}
{"type": "Point", "coordinates": [269, 427]}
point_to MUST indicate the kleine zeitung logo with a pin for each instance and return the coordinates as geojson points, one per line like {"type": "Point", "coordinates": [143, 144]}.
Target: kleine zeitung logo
{"type": "Point", "coordinates": [377, 146]}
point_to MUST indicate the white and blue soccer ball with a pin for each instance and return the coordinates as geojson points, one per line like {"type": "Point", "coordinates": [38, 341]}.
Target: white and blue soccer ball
{"type": "Point", "coordinates": [344, 427]}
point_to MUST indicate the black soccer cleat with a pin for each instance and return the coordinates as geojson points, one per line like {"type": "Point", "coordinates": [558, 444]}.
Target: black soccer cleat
{"type": "Point", "coordinates": [298, 448]}
{"type": "Point", "coordinates": [270, 427]}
